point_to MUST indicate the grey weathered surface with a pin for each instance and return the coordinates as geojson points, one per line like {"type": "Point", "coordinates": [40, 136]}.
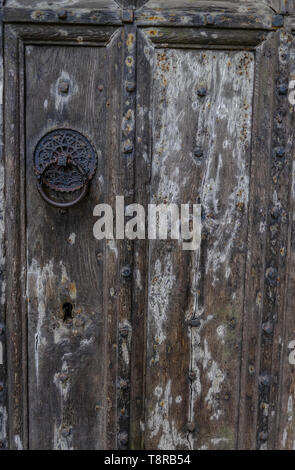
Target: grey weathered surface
{"type": "Point", "coordinates": [129, 370]}
{"type": "Point", "coordinates": [65, 365]}
{"type": "Point", "coordinates": [3, 389]}
{"type": "Point", "coordinates": [207, 285]}
{"type": "Point", "coordinates": [40, 4]}
{"type": "Point", "coordinates": [219, 13]}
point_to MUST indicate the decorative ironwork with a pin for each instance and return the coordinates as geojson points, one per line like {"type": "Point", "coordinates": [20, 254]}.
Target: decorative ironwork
{"type": "Point", "coordinates": [64, 159]}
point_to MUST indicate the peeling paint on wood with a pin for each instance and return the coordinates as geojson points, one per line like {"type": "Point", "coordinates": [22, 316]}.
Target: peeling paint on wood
{"type": "Point", "coordinates": [219, 123]}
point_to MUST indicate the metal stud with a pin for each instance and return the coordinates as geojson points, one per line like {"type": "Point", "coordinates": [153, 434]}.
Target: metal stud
{"type": "Point", "coordinates": [123, 438]}
{"type": "Point", "coordinates": [268, 327]}
{"type": "Point", "coordinates": [202, 92]}
{"type": "Point", "coordinates": [198, 152]}
{"type": "Point", "coordinates": [191, 427]}
{"type": "Point", "coordinates": [62, 15]}
{"type": "Point", "coordinates": [128, 148]}
{"type": "Point", "coordinates": [194, 322]}
{"type": "Point", "coordinates": [64, 87]}
{"type": "Point", "coordinates": [283, 89]}
{"type": "Point", "coordinates": [264, 379]}
{"type": "Point", "coordinates": [280, 152]}
{"type": "Point", "coordinates": [126, 272]}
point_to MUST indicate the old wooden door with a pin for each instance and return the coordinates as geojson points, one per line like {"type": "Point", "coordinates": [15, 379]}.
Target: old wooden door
{"type": "Point", "coordinates": [141, 345]}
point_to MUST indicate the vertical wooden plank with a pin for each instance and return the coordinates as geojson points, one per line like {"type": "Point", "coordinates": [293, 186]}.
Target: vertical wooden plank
{"type": "Point", "coordinates": [3, 370]}
{"type": "Point", "coordinates": [201, 114]}
{"type": "Point", "coordinates": [140, 276]}
{"type": "Point", "coordinates": [254, 309]}
{"type": "Point", "coordinates": [276, 252]}
{"type": "Point", "coordinates": [15, 318]}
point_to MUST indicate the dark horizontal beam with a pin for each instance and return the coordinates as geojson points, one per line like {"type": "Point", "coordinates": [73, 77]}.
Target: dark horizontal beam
{"type": "Point", "coordinates": [204, 37]}
{"type": "Point", "coordinates": [63, 17]}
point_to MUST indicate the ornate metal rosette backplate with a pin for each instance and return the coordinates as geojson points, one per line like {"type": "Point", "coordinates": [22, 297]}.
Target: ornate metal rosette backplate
{"type": "Point", "coordinates": [64, 158]}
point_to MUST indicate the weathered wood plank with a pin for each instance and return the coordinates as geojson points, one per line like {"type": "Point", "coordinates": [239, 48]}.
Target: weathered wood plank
{"type": "Point", "coordinates": [67, 34]}
{"type": "Point", "coordinates": [68, 357]}
{"type": "Point", "coordinates": [284, 186]}
{"type": "Point", "coordinates": [214, 14]}
{"type": "Point", "coordinates": [266, 67]}
{"type": "Point", "coordinates": [204, 37]}
{"type": "Point", "coordinates": [276, 250]}
{"type": "Point", "coordinates": [111, 258]}
{"type": "Point", "coordinates": [125, 187]}
{"type": "Point", "coordinates": [3, 368]}
{"type": "Point", "coordinates": [15, 318]}
{"type": "Point", "coordinates": [72, 16]}
{"type": "Point", "coordinates": [56, 4]}
{"type": "Point", "coordinates": [140, 271]}
{"type": "Point", "coordinates": [181, 414]}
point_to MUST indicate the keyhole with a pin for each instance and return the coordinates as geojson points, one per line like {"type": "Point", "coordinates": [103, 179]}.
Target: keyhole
{"type": "Point", "coordinates": [67, 309]}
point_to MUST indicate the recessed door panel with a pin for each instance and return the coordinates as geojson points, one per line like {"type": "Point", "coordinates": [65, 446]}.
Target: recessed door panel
{"type": "Point", "coordinates": [67, 91]}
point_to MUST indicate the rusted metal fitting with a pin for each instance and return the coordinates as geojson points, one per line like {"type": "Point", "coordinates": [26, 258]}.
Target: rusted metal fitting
{"type": "Point", "coordinates": [268, 327]}
{"type": "Point", "coordinates": [209, 20]}
{"type": "Point", "coordinates": [127, 16]}
{"type": "Point", "coordinates": [124, 331]}
{"type": "Point", "coordinates": [123, 439]}
{"type": "Point", "coordinates": [122, 384]}
{"type": "Point", "coordinates": [130, 86]}
{"type": "Point", "coordinates": [194, 322]}
{"type": "Point", "coordinates": [63, 87]}
{"type": "Point", "coordinates": [280, 152]}
{"type": "Point", "coordinates": [126, 272]}
{"type": "Point", "coordinates": [283, 89]}
{"type": "Point", "coordinates": [275, 213]}
{"type": "Point", "coordinates": [227, 396]}
{"type": "Point", "coordinates": [251, 369]}
{"type": "Point", "coordinates": [128, 148]}
{"type": "Point", "coordinates": [62, 15]}
{"type": "Point", "coordinates": [191, 427]}
{"type": "Point", "coordinates": [271, 276]}
{"type": "Point", "coordinates": [263, 436]}
{"type": "Point", "coordinates": [278, 21]}
{"type": "Point", "coordinates": [198, 152]}
{"type": "Point", "coordinates": [192, 376]}
{"type": "Point", "coordinates": [201, 92]}
{"type": "Point", "coordinates": [264, 379]}
{"type": "Point", "coordinates": [1, 387]}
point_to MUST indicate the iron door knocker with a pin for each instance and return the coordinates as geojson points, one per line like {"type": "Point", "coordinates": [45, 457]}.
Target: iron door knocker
{"type": "Point", "coordinates": [64, 161]}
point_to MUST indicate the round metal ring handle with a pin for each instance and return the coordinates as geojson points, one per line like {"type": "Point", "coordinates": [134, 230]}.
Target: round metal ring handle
{"type": "Point", "coordinates": [63, 205]}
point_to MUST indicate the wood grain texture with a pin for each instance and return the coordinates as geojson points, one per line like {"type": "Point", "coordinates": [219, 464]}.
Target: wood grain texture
{"type": "Point", "coordinates": [207, 285]}
{"type": "Point", "coordinates": [204, 37]}
{"type": "Point", "coordinates": [256, 264]}
{"type": "Point", "coordinates": [3, 368]}
{"type": "Point", "coordinates": [129, 369]}
{"type": "Point", "coordinates": [66, 357]}
{"type": "Point", "coordinates": [73, 16]}
{"type": "Point", "coordinates": [219, 14]}
{"type": "Point", "coordinates": [55, 4]}
{"type": "Point", "coordinates": [284, 437]}
{"type": "Point", "coordinates": [14, 248]}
